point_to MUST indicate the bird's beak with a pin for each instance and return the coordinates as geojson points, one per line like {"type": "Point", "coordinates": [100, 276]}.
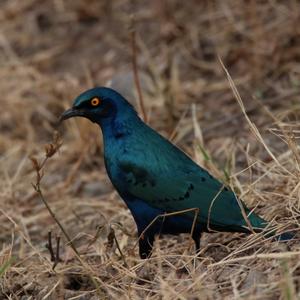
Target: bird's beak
{"type": "Point", "coordinates": [70, 113]}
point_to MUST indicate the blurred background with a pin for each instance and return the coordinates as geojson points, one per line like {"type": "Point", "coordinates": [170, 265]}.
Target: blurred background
{"type": "Point", "coordinates": [50, 51]}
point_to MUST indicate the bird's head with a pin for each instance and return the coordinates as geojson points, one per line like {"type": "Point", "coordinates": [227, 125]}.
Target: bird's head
{"type": "Point", "coordinates": [98, 104]}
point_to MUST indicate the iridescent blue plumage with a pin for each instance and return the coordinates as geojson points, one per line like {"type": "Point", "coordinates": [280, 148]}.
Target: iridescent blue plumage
{"type": "Point", "coordinates": [154, 177]}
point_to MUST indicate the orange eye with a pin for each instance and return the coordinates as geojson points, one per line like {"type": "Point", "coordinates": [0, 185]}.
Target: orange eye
{"type": "Point", "coordinates": [95, 101]}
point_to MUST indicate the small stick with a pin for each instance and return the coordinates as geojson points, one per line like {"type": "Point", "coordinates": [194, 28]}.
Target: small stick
{"type": "Point", "coordinates": [50, 150]}
{"type": "Point", "coordinates": [57, 258]}
{"type": "Point", "coordinates": [49, 247]}
{"type": "Point", "coordinates": [39, 191]}
{"type": "Point", "coordinates": [118, 246]}
{"type": "Point", "coordinates": [53, 257]}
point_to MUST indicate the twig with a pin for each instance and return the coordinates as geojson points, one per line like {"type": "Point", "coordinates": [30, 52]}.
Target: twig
{"type": "Point", "coordinates": [118, 246]}
{"type": "Point", "coordinates": [39, 191]}
{"type": "Point", "coordinates": [50, 150]}
{"type": "Point", "coordinates": [111, 238]}
{"type": "Point", "coordinates": [252, 126]}
{"type": "Point", "coordinates": [53, 256]}
{"type": "Point", "coordinates": [257, 256]}
{"type": "Point", "coordinates": [49, 247]}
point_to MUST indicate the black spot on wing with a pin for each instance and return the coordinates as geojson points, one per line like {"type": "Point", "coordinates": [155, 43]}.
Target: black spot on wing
{"type": "Point", "coordinates": [144, 183]}
{"type": "Point", "coordinates": [137, 176]}
{"type": "Point", "coordinates": [187, 195]}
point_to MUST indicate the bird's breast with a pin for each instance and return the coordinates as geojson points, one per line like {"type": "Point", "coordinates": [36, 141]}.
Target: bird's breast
{"type": "Point", "coordinates": [112, 158]}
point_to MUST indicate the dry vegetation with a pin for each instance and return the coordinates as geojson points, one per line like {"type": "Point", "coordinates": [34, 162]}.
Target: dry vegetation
{"type": "Point", "coordinates": [52, 50]}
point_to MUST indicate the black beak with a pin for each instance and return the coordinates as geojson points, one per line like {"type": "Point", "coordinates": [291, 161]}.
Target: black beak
{"type": "Point", "coordinates": [70, 113]}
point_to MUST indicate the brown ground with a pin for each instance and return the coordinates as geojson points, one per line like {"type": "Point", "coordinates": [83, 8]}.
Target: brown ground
{"type": "Point", "coordinates": [50, 51]}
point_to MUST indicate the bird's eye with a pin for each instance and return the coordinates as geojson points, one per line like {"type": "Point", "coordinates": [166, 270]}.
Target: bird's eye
{"type": "Point", "coordinates": [95, 101]}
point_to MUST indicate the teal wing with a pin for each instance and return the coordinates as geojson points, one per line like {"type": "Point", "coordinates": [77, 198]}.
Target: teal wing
{"type": "Point", "coordinates": [174, 183]}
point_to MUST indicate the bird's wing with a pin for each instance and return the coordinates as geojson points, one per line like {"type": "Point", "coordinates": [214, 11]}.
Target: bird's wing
{"type": "Point", "coordinates": [174, 183]}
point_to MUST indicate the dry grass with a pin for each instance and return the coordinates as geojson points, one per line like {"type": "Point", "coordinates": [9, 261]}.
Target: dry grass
{"type": "Point", "coordinates": [244, 130]}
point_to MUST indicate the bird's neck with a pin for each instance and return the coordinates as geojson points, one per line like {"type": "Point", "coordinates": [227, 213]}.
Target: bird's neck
{"type": "Point", "coordinates": [119, 125]}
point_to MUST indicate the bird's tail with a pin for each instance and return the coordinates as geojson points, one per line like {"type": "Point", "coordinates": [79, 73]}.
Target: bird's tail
{"type": "Point", "coordinates": [260, 225]}
{"type": "Point", "coordinates": [286, 236]}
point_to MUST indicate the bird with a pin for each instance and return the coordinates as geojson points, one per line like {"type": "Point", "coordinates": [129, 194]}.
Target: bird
{"type": "Point", "coordinates": [164, 189]}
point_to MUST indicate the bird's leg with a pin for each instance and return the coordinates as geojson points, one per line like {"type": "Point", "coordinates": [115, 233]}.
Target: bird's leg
{"type": "Point", "coordinates": [145, 246]}
{"type": "Point", "coordinates": [196, 237]}
{"type": "Point", "coordinates": [146, 241]}
{"type": "Point", "coordinates": [196, 210]}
